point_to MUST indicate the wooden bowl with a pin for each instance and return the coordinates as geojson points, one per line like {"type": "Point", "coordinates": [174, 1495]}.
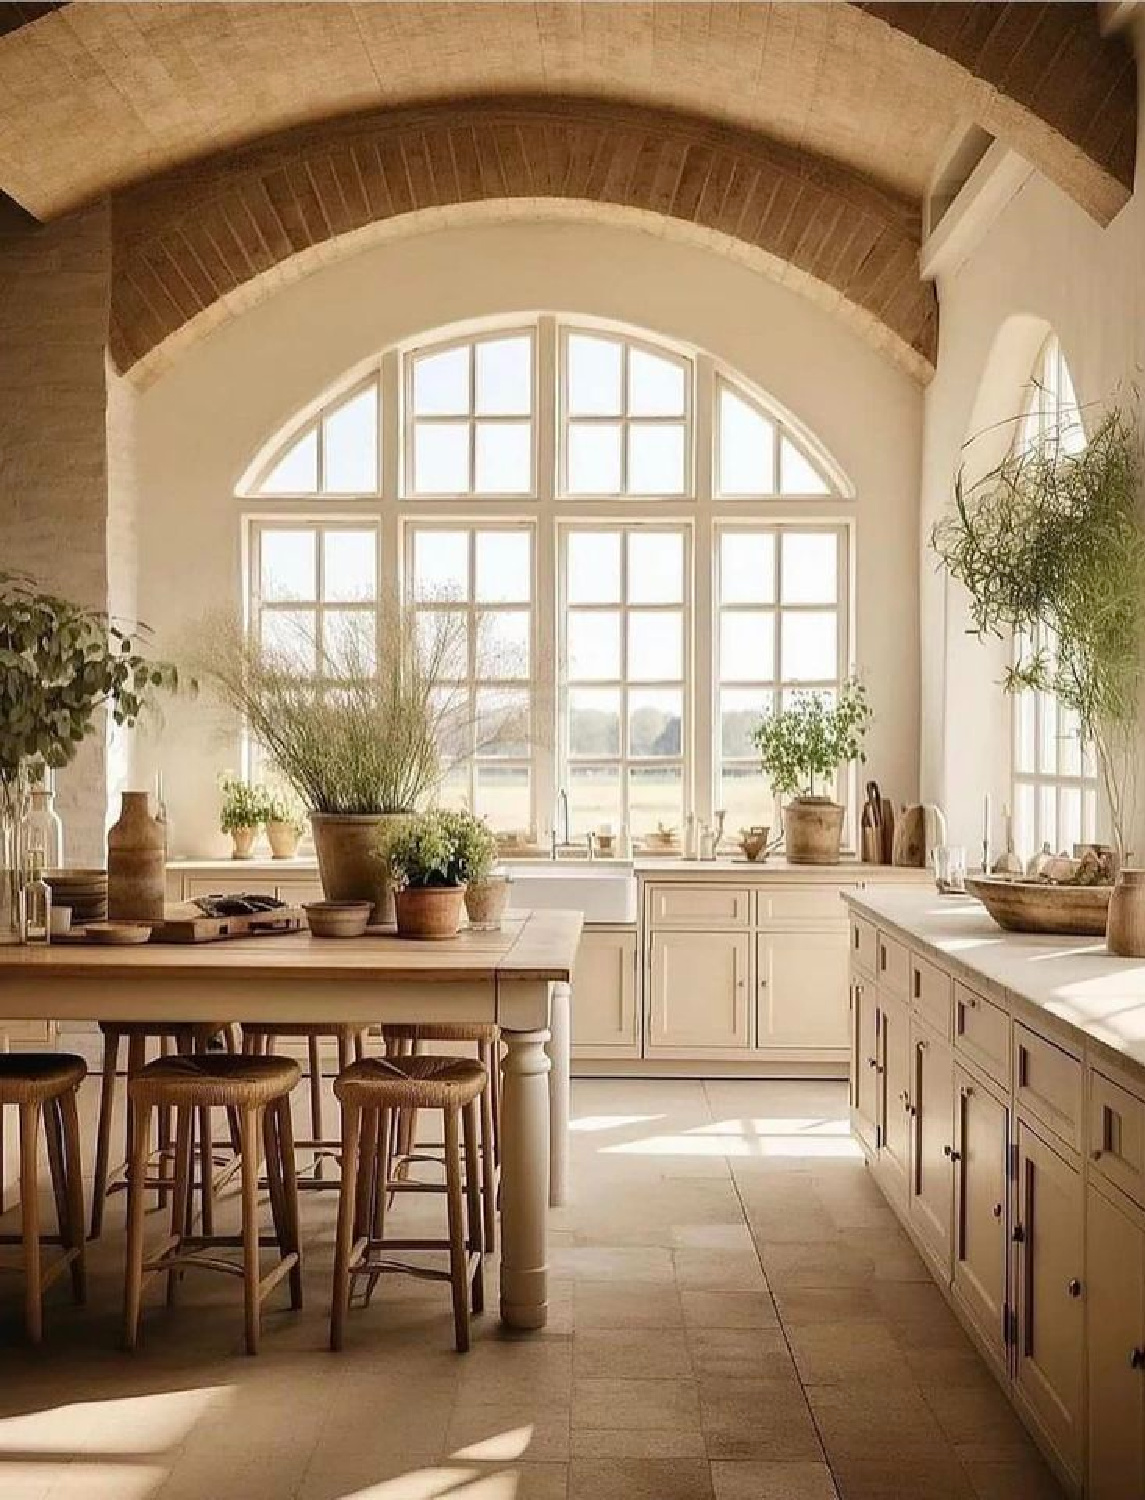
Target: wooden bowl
{"type": "Point", "coordinates": [337, 919]}
{"type": "Point", "coordinates": [1036, 906]}
{"type": "Point", "coordinates": [116, 934]}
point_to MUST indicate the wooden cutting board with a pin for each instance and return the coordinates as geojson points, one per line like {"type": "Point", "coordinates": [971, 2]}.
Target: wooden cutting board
{"type": "Point", "coordinates": [186, 924]}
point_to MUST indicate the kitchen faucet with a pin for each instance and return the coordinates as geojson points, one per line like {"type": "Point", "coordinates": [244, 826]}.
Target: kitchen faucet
{"type": "Point", "coordinates": [562, 810]}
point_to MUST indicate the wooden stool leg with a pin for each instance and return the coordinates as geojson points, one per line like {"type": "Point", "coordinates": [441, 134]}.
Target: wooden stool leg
{"type": "Point", "coordinates": [103, 1132]}
{"type": "Point", "coordinates": [474, 1196]}
{"type": "Point", "coordinates": [181, 1197]}
{"type": "Point", "coordinates": [249, 1126]}
{"type": "Point", "coordinates": [207, 1170]}
{"type": "Point", "coordinates": [359, 1045]}
{"type": "Point", "coordinates": [382, 1150]}
{"type": "Point", "coordinates": [289, 1178]}
{"type": "Point", "coordinates": [351, 1135]}
{"type": "Point", "coordinates": [488, 1158]}
{"type": "Point", "coordinates": [54, 1136]}
{"type": "Point", "coordinates": [73, 1168]}
{"type": "Point", "coordinates": [495, 1085]}
{"type": "Point", "coordinates": [367, 1174]}
{"type": "Point", "coordinates": [30, 1214]}
{"type": "Point", "coordinates": [163, 1121]}
{"type": "Point", "coordinates": [314, 1062]}
{"type": "Point", "coordinates": [457, 1272]}
{"type": "Point", "coordinates": [133, 1275]}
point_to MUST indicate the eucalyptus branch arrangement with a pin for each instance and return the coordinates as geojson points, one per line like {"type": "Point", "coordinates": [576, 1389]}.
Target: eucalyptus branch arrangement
{"type": "Point", "coordinates": [807, 742]}
{"type": "Point", "coordinates": [1051, 540]}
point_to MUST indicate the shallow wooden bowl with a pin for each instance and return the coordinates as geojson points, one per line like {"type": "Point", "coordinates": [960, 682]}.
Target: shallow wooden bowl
{"type": "Point", "coordinates": [116, 933]}
{"type": "Point", "coordinates": [337, 919]}
{"type": "Point", "coordinates": [1034, 906]}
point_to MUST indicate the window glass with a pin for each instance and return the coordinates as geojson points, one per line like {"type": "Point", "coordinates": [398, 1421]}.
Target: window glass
{"type": "Point", "coordinates": [350, 445]}
{"type": "Point", "coordinates": [296, 472]}
{"type": "Point", "coordinates": [470, 426]}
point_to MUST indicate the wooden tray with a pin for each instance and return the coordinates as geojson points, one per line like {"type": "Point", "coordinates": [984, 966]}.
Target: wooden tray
{"type": "Point", "coordinates": [188, 925]}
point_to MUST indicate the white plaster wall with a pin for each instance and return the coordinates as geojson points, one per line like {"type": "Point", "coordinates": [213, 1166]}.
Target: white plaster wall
{"type": "Point", "coordinates": [200, 423]}
{"type": "Point", "coordinates": [1043, 264]}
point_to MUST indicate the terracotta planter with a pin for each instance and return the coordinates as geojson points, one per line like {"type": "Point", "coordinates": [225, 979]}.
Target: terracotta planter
{"type": "Point", "coordinates": [136, 863]}
{"type": "Point", "coordinates": [485, 903]}
{"type": "Point", "coordinates": [1125, 930]}
{"type": "Point", "coordinates": [242, 841]}
{"type": "Point", "coordinates": [283, 839]}
{"type": "Point", "coordinates": [347, 864]}
{"type": "Point", "coordinates": [432, 912]}
{"type": "Point", "coordinates": [812, 830]}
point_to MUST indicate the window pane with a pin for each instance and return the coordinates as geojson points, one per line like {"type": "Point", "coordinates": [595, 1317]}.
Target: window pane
{"type": "Point", "coordinates": [503, 796]}
{"type": "Point", "coordinates": [296, 472]}
{"type": "Point", "coordinates": [655, 458]}
{"type": "Point", "coordinates": [1025, 827]}
{"type": "Point", "coordinates": [503, 644]}
{"type": "Point", "coordinates": [747, 645]}
{"type": "Point", "coordinates": [741, 712]}
{"type": "Point", "coordinates": [593, 376]}
{"type": "Point", "coordinates": [655, 385]}
{"type": "Point", "coordinates": [594, 797]}
{"type": "Point", "coordinates": [453, 720]}
{"type": "Point", "coordinates": [746, 798]}
{"type": "Point", "coordinates": [505, 377]}
{"type": "Point", "coordinates": [351, 445]}
{"type": "Point", "coordinates": [441, 383]}
{"type": "Point", "coordinates": [810, 567]}
{"type": "Point", "coordinates": [797, 475]}
{"type": "Point", "coordinates": [594, 458]}
{"type": "Point", "coordinates": [441, 458]}
{"type": "Point", "coordinates": [441, 564]}
{"type": "Point", "coordinates": [503, 722]}
{"type": "Point", "coordinates": [1048, 816]}
{"type": "Point", "coordinates": [1048, 739]}
{"type": "Point", "coordinates": [288, 564]}
{"type": "Point", "coordinates": [747, 567]}
{"type": "Point", "coordinates": [655, 567]}
{"type": "Point", "coordinates": [656, 796]}
{"type": "Point", "coordinates": [290, 635]}
{"type": "Point", "coordinates": [1069, 743]}
{"type": "Point", "coordinates": [349, 566]}
{"type": "Point", "coordinates": [655, 721]}
{"type": "Point", "coordinates": [443, 641]}
{"type": "Point", "coordinates": [747, 448]}
{"type": "Point", "coordinates": [1069, 815]}
{"type": "Point", "coordinates": [1026, 720]}
{"type": "Point", "coordinates": [655, 646]}
{"type": "Point", "coordinates": [454, 788]}
{"type": "Point", "coordinates": [593, 563]}
{"type": "Point", "coordinates": [810, 646]}
{"type": "Point", "coordinates": [593, 646]}
{"type": "Point", "coordinates": [594, 721]}
{"type": "Point", "coordinates": [504, 567]}
{"type": "Point", "coordinates": [504, 458]}
{"type": "Point", "coordinates": [349, 642]}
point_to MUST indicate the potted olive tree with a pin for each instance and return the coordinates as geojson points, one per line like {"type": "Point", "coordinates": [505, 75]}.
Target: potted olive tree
{"type": "Point", "coordinates": [801, 750]}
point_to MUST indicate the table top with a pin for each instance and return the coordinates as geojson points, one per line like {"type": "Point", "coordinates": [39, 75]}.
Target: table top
{"type": "Point", "coordinates": [535, 945]}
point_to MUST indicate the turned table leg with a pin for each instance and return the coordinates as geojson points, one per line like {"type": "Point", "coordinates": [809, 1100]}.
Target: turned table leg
{"type": "Point", "coordinates": [524, 1179]}
{"type": "Point", "coordinates": [559, 1089]}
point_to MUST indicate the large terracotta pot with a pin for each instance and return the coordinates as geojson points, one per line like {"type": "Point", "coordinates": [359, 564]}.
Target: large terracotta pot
{"type": "Point", "coordinates": [812, 830]}
{"type": "Point", "coordinates": [430, 911]}
{"type": "Point", "coordinates": [347, 864]}
{"type": "Point", "coordinates": [136, 863]}
{"type": "Point", "coordinates": [1125, 930]}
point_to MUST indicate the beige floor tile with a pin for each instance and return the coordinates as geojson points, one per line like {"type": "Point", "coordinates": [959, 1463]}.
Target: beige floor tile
{"type": "Point", "coordinates": [626, 1304]}
{"type": "Point", "coordinates": [718, 1270]}
{"type": "Point", "coordinates": [542, 1481]}
{"type": "Point", "coordinates": [533, 1432]}
{"type": "Point", "coordinates": [740, 1353]}
{"type": "Point", "coordinates": [798, 1305]}
{"type": "Point", "coordinates": [723, 1309]}
{"type": "Point", "coordinates": [894, 1476]}
{"type": "Point", "coordinates": [613, 1263]}
{"type": "Point", "coordinates": [826, 1263]}
{"type": "Point", "coordinates": [980, 1422]}
{"type": "Point", "coordinates": [639, 1479]}
{"type": "Point", "coordinates": [604, 1403]}
{"type": "Point", "coordinates": [1025, 1478]}
{"type": "Point", "coordinates": [752, 1480]}
{"type": "Point", "coordinates": [631, 1353]}
{"type": "Point", "coordinates": [843, 1353]}
{"type": "Point", "coordinates": [757, 1419]}
{"type": "Point", "coordinates": [618, 1442]}
{"type": "Point", "coordinates": [865, 1422]}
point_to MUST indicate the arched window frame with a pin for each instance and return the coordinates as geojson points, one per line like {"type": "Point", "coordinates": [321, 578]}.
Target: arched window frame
{"type": "Point", "coordinates": [700, 513]}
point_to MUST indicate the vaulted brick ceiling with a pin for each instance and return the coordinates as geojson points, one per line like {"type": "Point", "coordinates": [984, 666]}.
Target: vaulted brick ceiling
{"type": "Point", "coordinates": [851, 100]}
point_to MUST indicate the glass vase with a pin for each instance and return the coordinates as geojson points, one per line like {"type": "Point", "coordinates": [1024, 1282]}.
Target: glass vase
{"type": "Point", "coordinates": [13, 808]}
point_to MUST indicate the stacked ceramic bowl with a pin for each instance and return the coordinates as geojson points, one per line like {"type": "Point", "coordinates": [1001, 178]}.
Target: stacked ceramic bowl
{"type": "Point", "coordinates": [84, 892]}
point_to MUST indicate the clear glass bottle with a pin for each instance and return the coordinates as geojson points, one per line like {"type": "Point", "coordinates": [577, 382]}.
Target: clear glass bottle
{"type": "Point", "coordinates": [43, 831]}
{"type": "Point", "coordinates": [37, 898]}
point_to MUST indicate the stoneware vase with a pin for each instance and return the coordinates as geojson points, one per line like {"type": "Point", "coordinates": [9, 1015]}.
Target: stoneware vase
{"type": "Point", "coordinates": [485, 903]}
{"type": "Point", "coordinates": [136, 863]}
{"type": "Point", "coordinates": [812, 829]}
{"type": "Point", "coordinates": [1125, 928]}
{"type": "Point", "coordinates": [283, 839]}
{"type": "Point", "coordinates": [348, 866]}
{"type": "Point", "coordinates": [242, 842]}
{"type": "Point", "coordinates": [431, 912]}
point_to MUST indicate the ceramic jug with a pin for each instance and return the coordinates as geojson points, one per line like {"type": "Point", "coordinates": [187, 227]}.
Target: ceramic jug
{"type": "Point", "coordinates": [136, 863]}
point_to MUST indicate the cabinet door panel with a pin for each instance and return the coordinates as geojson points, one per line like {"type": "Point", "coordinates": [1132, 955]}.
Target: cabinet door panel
{"type": "Point", "coordinates": [604, 1022]}
{"type": "Point", "coordinates": [894, 1099]}
{"type": "Point", "coordinates": [981, 1221]}
{"type": "Point", "coordinates": [932, 1168]}
{"type": "Point", "coordinates": [864, 1062]}
{"type": "Point", "coordinates": [698, 990]}
{"type": "Point", "coordinates": [1051, 1310]}
{"type": "Point", "coordinates": [801, 990]}
{"type": "Point", "coordinates": [1115, 1246]}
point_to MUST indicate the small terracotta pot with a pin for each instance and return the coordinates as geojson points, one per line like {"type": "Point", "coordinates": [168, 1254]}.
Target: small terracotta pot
{"type": "Point", "coordinates": [431, 912]}
{"type": "Point", "coordinates": [242, 840]}
{"type": "Point", "coordinates": [812, 829]}
{"type": "Point", "coordinates": [1125, 927]}
{"type": "Point", "coordinates": [485, 903]}
{"type": "Point", "coordinates": [283, 839]}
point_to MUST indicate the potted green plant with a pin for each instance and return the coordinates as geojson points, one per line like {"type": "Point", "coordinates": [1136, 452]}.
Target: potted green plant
{"type": "Point", "coordinates": [285, 824]}
{"type": "Point", "coordinates": [243, 809]}
{"type": "Point", "coordinates": [801, 749]}
{"type": "Point", "coordinates": [423, 856]}
{"type": "Point", "coordinates": [486, 892]}
{"type": "Point", "coordinates": [62, 667]}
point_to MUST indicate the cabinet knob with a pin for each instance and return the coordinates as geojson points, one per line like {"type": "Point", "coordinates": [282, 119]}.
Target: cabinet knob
{"type": "Point", "coordinates": [872, 1062]}
{"type": "Point", "coordinates": [1137, 1359]}
{"type": "Point", "coordinates": [951, 1153]}
{"type": "Point", "coordinates": [763, 984]}
{"type": "Point", "coordinates": [1074, 1287]}
{"type": "Point", "coordinates": [997, 1210]}
{"type": "Point", "coordinates": [1019, 1234]}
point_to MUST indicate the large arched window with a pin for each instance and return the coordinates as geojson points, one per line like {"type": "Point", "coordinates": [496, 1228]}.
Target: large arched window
{"type": "Point", "coordinates": [1054, 773]}
{"type": "Point", "coordinates": [648, 554]}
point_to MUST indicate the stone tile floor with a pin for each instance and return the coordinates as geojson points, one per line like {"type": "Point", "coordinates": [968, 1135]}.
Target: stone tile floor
{"type": "Point", "coordinates": [735, 1315]}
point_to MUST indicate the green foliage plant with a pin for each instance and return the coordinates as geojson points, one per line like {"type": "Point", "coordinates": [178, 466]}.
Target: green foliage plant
{"type": "Point", "coordinates": [802, 747]}
{"type": "Point", "coordinates": [475, 845]}
{"type": "Point", "coordinates": [284, 807]}
{"type": "Point", "coordinates": [437, 848]}
{"type": "Point", "coordinates": [245, 804]}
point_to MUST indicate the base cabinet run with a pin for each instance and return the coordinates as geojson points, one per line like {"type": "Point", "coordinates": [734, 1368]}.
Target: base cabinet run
{"type": "Point", "coordinates": [1018, 1167]}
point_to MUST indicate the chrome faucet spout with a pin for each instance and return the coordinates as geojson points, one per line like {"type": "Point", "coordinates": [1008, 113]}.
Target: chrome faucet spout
{"type": "Point", "coordinates": [561, 822]}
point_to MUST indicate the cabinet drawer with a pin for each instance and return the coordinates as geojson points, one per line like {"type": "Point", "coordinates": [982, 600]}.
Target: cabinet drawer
{"type": "Point", "coordinates": [931, 989]}
{"type": "Point", "coordinates": [893, 966]}
{"type": "Point", "coordinates": [785, 906]}
{"type": "Point", "coordinates": [702, 906]}
{"type": "Point", "coordinates": [1117, 1135]}
{"type": "Point", "coordinates": [982, 1033]}
{"type": "Point", "coordinates": [864, 942]}
{"type": "Point", "coordinates": [1048, 1084]}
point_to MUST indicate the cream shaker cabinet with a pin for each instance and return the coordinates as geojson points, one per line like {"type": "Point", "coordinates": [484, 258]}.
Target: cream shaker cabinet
{"type": "Point", "coordinates": [697, 999]}
{"type": "Point", "coordinates": [1115, 1335]}
{"type": "Point", "coordinates": [933, 1150]}
{"type": "Point", "coordinates": [895, 1118]}
{"type": "Point", "coordinates": [865, 1064]}
{"type": "Point", "coordinates": [605, 1012]}
{"type": "Point", "coordinates": [981, 1241]}
{"type": "Point", "coordinates": [801, 991]}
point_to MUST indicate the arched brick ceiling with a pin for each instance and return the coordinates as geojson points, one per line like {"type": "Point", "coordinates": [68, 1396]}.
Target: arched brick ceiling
{"type": "Point", "coordinates": [95, 96]}
{"type": "Point", "coordinates": [187, 243]}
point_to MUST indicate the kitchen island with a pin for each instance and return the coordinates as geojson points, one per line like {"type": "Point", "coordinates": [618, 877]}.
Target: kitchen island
{"type": "Point", "coordinates": [505, 977]}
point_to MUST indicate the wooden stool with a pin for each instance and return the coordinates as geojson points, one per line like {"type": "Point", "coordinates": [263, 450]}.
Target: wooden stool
{"type": "Point", "coordinates": [258, 1088]}
{"type": "Point", "coordinates": [186, 1037]}
{"type": "Point", "coordinates": [258, 1041]}
{"type": "Point", "coordinates": [371, 1091]}
{"type": "Point", "coordinates": [405, 1039]}
{"type": "Point", "coordinates": [43, 1086]}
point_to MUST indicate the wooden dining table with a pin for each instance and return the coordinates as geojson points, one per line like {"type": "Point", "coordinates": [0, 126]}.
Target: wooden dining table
{"type": "Point", "coordinates": [513, 978]}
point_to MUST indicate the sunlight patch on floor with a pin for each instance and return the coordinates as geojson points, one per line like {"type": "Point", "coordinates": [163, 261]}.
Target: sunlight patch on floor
{"type": "Point", "coordinates": [502, 1448]}
{"type": "Point", "coordinates": [817, 1137]}
{"type": "Point", "coordinates": [591, 1124]}
{"type": "Point", "coordinates": [131, 1424]}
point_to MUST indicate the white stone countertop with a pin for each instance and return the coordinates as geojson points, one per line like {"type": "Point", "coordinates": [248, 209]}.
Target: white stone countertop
{"type": "Point", "coordinates": [1075, 981]}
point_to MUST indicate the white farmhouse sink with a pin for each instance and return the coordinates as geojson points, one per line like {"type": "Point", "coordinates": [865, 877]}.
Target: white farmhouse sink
{"type": "Point", "coordinates": [604, 890]}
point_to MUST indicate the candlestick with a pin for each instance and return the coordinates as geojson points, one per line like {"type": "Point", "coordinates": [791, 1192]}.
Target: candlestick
{"type": "Point", "coordinates": [986, 834]}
